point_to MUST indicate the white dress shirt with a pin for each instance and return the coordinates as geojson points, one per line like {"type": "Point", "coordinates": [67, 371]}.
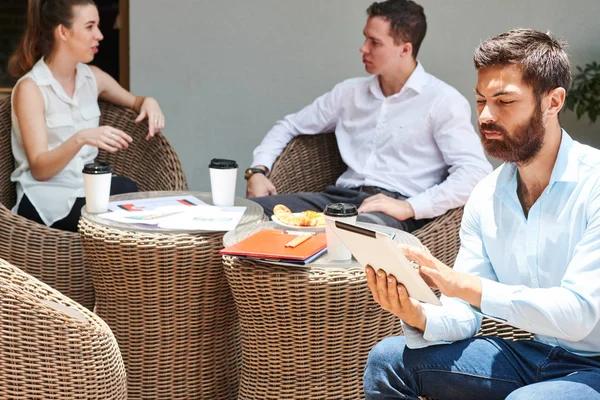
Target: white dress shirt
{"type": "Point", "coordinates": [407, 143]}
{"type": "Point", "coordinates": [64, 116]}
{"type": "Point", "coordinates": [540, 273]}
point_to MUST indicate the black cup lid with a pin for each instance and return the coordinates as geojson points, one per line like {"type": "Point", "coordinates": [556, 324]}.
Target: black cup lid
{"type": "Point", "coordinates": [221, 163]}
{"type": "Point", "coordinates": [340, 210]}
{"type": "Point", "coordinates": [97, 168]}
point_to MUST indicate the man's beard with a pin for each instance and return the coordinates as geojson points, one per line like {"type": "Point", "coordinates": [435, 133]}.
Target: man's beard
{"type": "Point", "coordinates": [520, 147]}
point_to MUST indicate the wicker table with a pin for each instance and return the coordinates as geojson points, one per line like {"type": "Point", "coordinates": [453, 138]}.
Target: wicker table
{"type": "Point", "coordinates": [164, 296]}
{"type": "Point", "coordinates": [306, 331]}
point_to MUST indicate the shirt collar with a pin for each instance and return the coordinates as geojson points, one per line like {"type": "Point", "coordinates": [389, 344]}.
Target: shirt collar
{"type": "Point", "coordinates": [565, 167]}
{"type": "Point", "coordinates": [418, 79]}
{"type": "Point", "coordinates": [44, 76]}
{"type": "Point", "coordinates": [416, 82]}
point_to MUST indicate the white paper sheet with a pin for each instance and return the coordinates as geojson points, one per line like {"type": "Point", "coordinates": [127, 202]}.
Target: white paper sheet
{"type": "Point", "coordinates": [208, 218]}
{"type": "Point", "coordinates": [175, 212]}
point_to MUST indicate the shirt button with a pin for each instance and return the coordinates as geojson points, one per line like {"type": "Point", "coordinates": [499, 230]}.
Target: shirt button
{"type": "Point", "coordinates": [531, 243]}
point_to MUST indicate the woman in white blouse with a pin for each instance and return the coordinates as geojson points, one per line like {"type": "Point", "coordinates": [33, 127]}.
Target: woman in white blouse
{"type": "Point", "coordinates": [55, 113]}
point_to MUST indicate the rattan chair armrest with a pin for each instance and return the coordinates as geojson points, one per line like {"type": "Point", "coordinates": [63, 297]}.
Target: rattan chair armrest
{"type": "Point", "coordinates": [307, 164]}
{"type": "Point", "coordinates": [153, 164]}
{"type": "Point", "coordinates": [36, 293]}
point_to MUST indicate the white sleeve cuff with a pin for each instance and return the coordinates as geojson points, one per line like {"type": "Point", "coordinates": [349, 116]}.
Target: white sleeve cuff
{"type": "Point", "coordinates": [264, 159]}
{"type": "Point", "coordinates": [493, 299]}
{"type": "Point", "coordinates": [415, 339]}
{"type": "Point", "coordinates": [434, 328]}
{"type": "Point", "coordinates": [422, 206]}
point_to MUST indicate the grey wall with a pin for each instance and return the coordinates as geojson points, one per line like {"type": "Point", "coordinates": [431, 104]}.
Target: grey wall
{"type": "Point", "coordinates": [225, 71]}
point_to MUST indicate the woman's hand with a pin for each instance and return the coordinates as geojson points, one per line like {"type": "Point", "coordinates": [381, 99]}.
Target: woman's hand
{"type": "Point", "coordinates": [156, 120]}
{"type": "Point", "coordinates": [105, 138]}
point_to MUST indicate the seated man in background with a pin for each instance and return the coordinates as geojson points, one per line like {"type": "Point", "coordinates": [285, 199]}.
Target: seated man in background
{"type": "Point", "coordinates": [529, 256]}
{"type": "Point", "coordinates": [406, 137]}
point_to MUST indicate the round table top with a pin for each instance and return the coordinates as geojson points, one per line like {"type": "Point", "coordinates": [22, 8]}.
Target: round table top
{"type": "Point", "coordinates": [243, 231]}
{"type": "Point", "coordinates": [254, 212]}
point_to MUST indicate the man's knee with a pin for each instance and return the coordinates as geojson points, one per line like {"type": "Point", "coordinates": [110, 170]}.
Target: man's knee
{"type": "Point", "coordinates": [373, 218]}
{"type": "Point", "coordinates": [379, 218]}
{"type": "Point", "coordinates": [554, 390]}
{"type": "Point", "coordinates": [386, 354]}
{"type": "Point", "coordinates": [385, 372]}
{"type": "Point", "coordinates": [266, 202]}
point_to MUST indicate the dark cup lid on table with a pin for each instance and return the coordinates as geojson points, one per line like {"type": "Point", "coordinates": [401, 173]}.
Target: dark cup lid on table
{"type": "Point", "coordinates": [97, 168]}
{"type": "Point", "coordinates": [340, 210]}
{"type": "Point", "coordinates": [221, 163]}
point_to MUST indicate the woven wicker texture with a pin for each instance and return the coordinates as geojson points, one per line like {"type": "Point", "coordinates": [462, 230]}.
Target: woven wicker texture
{"type": "Point", "coordinates": [306, 331]}
{"type": "Point", "coordinates": [307, 164]}
{"type": "Point", "coordinates": [493, 328]}
{"type": "Point", "coordinates": [441, 236]}
{"type": "Point", "coordinates": [168, 303]}
{"type": "Point", "coordinates": [54, 256]}
{"type": "Point", "coordinates": [152, 164]}
{"type": "Point", "coordinates": [52, 347]}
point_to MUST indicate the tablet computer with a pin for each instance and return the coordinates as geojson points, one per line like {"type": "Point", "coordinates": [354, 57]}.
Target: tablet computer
{"type": "Point", "coordinates": [380, 252]}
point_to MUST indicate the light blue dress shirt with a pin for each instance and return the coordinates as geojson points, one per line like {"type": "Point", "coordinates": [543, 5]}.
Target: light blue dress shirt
{"type": "Point", "coordinates": [541, 273]}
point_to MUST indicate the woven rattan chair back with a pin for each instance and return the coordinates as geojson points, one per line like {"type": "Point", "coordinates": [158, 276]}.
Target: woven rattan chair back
{"type": "Point", "coordinates": [52, 347]}
{"type": "Point", "coordinates": [311, 162]}
{"type": "Point", "coordinates": [152, 164]}
{"type": "Point", "coordinates": [494, 328]}
{"type": "Point", "coordinates": [8, 194]}
{"type": "Point", "coordinates": [56, 257]}
{"type": "Point", "coordinates": [308, 164]}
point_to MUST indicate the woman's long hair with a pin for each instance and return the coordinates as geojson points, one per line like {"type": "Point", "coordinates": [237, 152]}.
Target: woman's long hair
{"type": "Point", "coordinates": [43, 16]}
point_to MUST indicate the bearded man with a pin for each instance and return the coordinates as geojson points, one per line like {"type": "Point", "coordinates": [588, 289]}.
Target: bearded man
{"type": "Point", "coordinates": [529, 256]}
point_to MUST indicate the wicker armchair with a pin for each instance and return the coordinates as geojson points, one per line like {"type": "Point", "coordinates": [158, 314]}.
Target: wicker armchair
{"type": "Point", "coordinates": [52, 347]}
{"type": "Point", "coordinates": [54, 256]}
{"type": "Point", "coordinates": [322, 165]}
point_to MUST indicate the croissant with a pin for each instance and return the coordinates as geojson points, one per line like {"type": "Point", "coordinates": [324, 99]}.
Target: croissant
{"type": "Point", "coordinates": [305, 218]}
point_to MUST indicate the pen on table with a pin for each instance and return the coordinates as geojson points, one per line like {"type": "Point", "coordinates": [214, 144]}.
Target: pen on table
{"type": "Point", "coordinates": [299, 233]}
{"type": "Point", "coordinates": [298, 240]}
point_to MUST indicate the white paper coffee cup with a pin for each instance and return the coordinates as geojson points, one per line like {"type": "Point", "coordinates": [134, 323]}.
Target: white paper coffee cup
{"type": "Point", "coordinates": [344, 212]}
{"type": "Point", "coordinates": [96, 181]}
{"type": "Point", "coordinates": [223, 176]}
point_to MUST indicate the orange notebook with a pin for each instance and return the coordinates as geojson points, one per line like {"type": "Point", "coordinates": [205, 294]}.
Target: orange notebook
{"type": "Point", "coordinates": [270, 244]}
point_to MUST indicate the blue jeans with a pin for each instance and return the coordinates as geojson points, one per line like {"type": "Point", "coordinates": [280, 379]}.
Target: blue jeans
{"type": "Point", "coordinates": [479, 368]}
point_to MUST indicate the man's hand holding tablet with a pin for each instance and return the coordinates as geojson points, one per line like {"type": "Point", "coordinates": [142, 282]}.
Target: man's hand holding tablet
{"type": "Point", "coordinates": [393, 297]}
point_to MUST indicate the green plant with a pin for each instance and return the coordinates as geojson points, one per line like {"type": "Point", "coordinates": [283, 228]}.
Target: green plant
{"type": "Point", "coordinates": [584, 96]}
